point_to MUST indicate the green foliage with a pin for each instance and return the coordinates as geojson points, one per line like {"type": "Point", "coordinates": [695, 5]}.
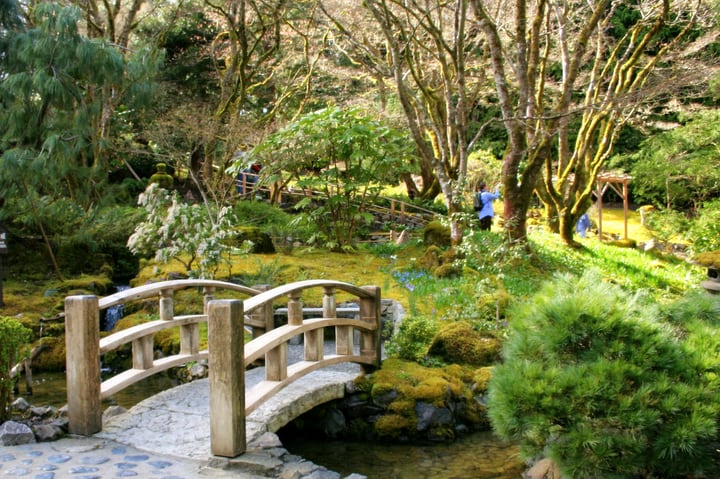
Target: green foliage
{"type": "Point", "coordinates": [412, 339]}
{"type": "Point", "coordinates": [13, 336]}
{"type": "Point", "coordinates": [56, 122]}
{"type": "Point", "coordinates": [667, 224]}
{"type": "Point", "coordinates": [678, 168]}
{"type": "Point", "coordinates": [344, 158]}
{"type": "Point", "coordinates": [186, 44]}
{"type": "Point", "coordinates": [702, 230]}
{"type": "Point", "coordinates": [705, 230]}
{"type": "Point", "coordinates": [194, 234]}
{"type": "Point", "coordinates": [595, 379]}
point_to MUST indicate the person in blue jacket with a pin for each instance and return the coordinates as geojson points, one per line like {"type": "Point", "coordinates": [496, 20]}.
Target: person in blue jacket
{"type": "Point", "coordinates": [583, 225]}
{"type": "Point", "coordinates": [485, 200]}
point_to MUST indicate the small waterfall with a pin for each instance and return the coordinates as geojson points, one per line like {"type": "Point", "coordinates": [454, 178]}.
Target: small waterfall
{"type": "Point", "coordinates": [114, 314]}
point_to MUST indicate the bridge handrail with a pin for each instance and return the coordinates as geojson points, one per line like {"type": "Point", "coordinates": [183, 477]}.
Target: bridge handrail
{"type": "Point", "coordinates": [288, 289]}
{"type": "Point", "coordinates": [153, 289]}
{"type": "Point", "coordinates": [227, 355]}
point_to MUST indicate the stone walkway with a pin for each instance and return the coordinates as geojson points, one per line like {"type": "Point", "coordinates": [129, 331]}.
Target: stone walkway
{"type": "Point", "coordinates": [167, 436]}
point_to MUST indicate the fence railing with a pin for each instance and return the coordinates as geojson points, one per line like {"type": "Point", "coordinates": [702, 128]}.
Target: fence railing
{"type": "Point", "coordinates": [227, 353]}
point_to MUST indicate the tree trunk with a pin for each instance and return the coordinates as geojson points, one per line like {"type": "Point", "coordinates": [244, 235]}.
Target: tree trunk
{"type": "Point", "coordinates": [566, 227]}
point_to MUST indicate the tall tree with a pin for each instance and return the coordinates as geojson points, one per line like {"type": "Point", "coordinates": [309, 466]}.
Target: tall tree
{"type": "Point", "coordinates": [254, 39]}
{"type": "Point", "coordinates": [54, 166]}
{"type": "Point", "coordinates": [434, 59]}
{"type": "Point", "coordinates": [567, 75]}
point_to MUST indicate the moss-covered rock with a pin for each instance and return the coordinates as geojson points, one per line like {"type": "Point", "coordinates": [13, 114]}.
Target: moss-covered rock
{"type": "Point", "coordinates": [709, 259]}
{"type": "Point", "coordinates": [412, 402]}
{"type": "Point", "coordinates": [459, 343]}
{"type": "Point", "coordinates": [395, 426]}
{"type": "Point", "coordinates": [430, 258]}
{"type": "Point", "coordinates": [52, 355]}
{"type": "Point", "coordinates": [435, 233]}
{"type": "Point", "coordinates": [447, 270]}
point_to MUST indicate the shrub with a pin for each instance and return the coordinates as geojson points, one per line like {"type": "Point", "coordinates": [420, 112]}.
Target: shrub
{"type": "Point", "coordinates": [598, 381]}
{"type": "Point", "coordinates": [705, 231]}
{"type": "Point", "coordinates": [413, 338]}
{"type": "Point", "coordinates": [459, 343]}
{"type": "Point", "coordinates": [13, 336]}
{"type": "Point", "coordinates": [193, 234]}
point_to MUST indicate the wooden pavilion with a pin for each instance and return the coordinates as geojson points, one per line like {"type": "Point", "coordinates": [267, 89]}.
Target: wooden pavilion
{"type": "Point", "coordinates": [618, 182]}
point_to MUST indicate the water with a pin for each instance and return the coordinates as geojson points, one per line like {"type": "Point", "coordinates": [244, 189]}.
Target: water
{"type": "Point", "coordinates": [113, 314]}
{"type": "Point", "coordinates": [49, 389]}
{"type": "Point", "coordinates": [478, 456]}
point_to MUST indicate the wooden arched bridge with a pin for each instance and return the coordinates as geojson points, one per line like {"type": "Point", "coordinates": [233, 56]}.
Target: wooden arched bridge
{"type": "Point", "coordinates": [227, 354]}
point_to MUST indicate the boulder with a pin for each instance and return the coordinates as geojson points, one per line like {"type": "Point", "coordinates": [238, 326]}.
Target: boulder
{"type": "Point", "coordinates": [48, 432]}
{"type": "Point", "coordinates": [13, 433]}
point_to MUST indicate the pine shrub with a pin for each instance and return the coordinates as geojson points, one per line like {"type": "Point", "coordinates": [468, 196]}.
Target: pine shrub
{"type": "Point", "coordinates": [608, 384]}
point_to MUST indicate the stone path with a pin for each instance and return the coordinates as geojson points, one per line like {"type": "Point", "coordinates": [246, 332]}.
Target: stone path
{"type": "Point", "coordinates": [167, 436]}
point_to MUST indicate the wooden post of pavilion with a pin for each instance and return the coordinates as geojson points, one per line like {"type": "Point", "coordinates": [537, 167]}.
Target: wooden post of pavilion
{"type": "Point", "coordinates": [612, 180]}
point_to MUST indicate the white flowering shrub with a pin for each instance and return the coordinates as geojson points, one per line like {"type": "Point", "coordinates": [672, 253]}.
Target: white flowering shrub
{"type": "Point", "coordinates": [193, 234]}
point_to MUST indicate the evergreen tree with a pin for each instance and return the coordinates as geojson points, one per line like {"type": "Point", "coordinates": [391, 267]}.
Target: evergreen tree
{"type": "Point", "coordinates": [55, 133]}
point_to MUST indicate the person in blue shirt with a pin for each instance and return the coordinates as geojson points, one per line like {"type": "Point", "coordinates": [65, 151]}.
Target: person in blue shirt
{"type": "Point", "coordinates": [486, 212]}
{"type": "Point", "coordinates": [583, 225]}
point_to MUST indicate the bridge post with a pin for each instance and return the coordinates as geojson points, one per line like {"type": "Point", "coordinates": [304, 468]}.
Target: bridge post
{"type": "Point", "coordinates": [208, 295]}
{"type": "Point", "coordinates": [370, 311]}
{"type": "Point", "coordinates": [343, 334]}
{"type": "Point", "coordinates": [264, 314]}
{"type": "Point", "coordinates": [314, 340]}
{"type": "Point", "coordinates": [226, 364]}
{"type": "Point", "coordinates": [294, 307]}
{"type": "Point", "coordinates": [167, 311]}
{"type": "Point", "coordinates": [82, 361]}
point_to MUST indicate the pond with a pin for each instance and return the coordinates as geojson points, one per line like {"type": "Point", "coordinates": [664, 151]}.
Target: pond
{"type": "Point", "coordinates": [49, 389]}
{"type": "Point", "coordinates": [479, 455]}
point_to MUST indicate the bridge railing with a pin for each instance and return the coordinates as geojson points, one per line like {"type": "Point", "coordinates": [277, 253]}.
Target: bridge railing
{"type": "Point", "coordinates": [227, 354]}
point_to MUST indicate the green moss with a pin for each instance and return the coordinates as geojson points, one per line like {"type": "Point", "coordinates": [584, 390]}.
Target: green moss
{"type": "Point", "coordinates": [458, 342]}
{"type": "Point", "coordinates": [481, 378]}
{"type": "Point", "coordinates": [434, 389]}
{"type": "Point", "coordinates": [447, 270]}
{"type": "Point", "coordinates": [381, 389]}
{"type": "Point", "coordinates": [436, 234]}
{"type": "Point", "coordinates": [430, 258]}
{"type": "Point", "coordinates": [52, 355]}
{"type": "Point", "coordinates": [395, 425]}
{"type": "Point", "coordinates": [404, 407]}
{"type": "Point", "coordinates": [623, 243]}
{"type": "Point", "coordinates": [437, 386]}
{"type": "Point", "coordinates": [709, 259]}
